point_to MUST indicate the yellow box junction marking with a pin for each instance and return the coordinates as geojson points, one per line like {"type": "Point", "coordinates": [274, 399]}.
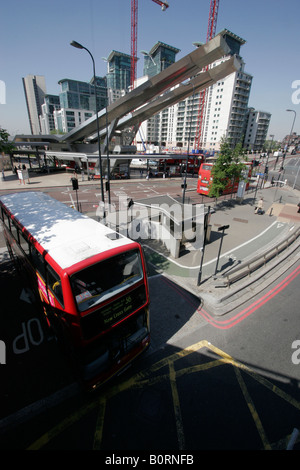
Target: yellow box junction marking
{"type": "Point", "coordinates": [143, 378]}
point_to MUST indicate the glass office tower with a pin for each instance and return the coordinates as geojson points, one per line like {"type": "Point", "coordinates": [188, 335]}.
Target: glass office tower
{"type": "Point", "coordinates": [118, 71]}
{"type": "Point", "coordinates": [159, 58]}
{"type": "Point", "coordinates": [81, 95]}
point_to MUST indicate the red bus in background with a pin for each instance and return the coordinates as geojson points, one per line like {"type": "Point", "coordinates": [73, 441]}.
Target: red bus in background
{"type": "Point", "coordinates": [176, 166]}
{"type": "Point", "coordinates": [205, 179]}
{"type": "Point", "coordinates": [91, 281]}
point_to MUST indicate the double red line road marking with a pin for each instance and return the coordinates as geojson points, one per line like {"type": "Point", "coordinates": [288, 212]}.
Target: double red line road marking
{"type": "Point", "coordinates": [246, 312]}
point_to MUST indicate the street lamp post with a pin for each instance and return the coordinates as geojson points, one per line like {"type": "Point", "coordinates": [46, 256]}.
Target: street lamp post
{"type": "Point", "coordinates": [107, 158]}
{"type": "Point", "coordinates": [107, 144]}
{"type": "Point", "coordinates": [79, 46]}
{"type": "Point", "coordinates": [148, 55]}
{"type": "Point", "coordinates": [288, 143]}
{"type": "Point", "coordinates": [292, 111]}
{"type": "Point", "coordinates": [202, 249]}
{"type": "Point", "coordinates": [268, 152]}
{"type": "Point", "coordinates": [220, 229]}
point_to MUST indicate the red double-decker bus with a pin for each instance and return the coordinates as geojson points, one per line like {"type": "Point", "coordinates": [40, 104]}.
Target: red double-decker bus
{"type": "Point", "coordinates": [205, 179]}
{"type": "Point", "coordinates": [90, 279]}
{"type": "Point", "coordinates": [177, 166]}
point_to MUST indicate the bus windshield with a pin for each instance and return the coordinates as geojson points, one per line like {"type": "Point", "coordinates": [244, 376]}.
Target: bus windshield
{"type": "Point", "coordinates": [206, 167]}
{"type": "Point", "coordinates": [103, 280]}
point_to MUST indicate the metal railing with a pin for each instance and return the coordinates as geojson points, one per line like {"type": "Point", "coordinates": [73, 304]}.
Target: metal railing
{"type": "Point", "coordinates": [247, 267]}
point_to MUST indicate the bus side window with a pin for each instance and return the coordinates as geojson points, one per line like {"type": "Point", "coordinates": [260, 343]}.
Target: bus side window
{"type": "Point", "coordinates": [38, 261]}
{"type": "Point", "coordinates": [14, 231]}
{"type": "Point", "coordinates": [54, 284]}
{"type": "Point", "coordinates": [6, 220]}
{"type": "Point", "coordinates": [24, 243]}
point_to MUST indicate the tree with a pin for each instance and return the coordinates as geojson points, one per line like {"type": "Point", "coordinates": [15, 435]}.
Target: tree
{"type": "Point", "coordinates": [271, 145]}
{"type": "Point", "coordinates": [57, 132]}
{"type": "Point", "coordinates": [228, 168]}
{"type": "Point", "coordinates": [5, 145]}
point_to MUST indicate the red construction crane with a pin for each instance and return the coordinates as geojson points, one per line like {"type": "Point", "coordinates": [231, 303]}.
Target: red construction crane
{"type": "Point", "coordinates": [134, 23]}
{"type": "Point", "coordinates": [164, 5]}
{"type": "Point", "coordinates": [211, 31]}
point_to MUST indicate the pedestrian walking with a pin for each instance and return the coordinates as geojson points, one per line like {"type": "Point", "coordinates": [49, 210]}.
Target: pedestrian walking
{"type": "Point", "coordinates": [259, 209]}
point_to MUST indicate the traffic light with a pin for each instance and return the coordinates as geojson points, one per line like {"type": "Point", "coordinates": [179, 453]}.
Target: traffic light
{"type": "Point", "coordinates": [74, 183]}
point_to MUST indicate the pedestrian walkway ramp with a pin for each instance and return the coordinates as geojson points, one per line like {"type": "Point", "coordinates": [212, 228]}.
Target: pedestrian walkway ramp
{"type": "Point", "coordinates": [139, 101]}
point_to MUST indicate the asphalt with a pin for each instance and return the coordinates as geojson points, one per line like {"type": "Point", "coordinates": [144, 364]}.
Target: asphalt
{"type": "Point", "coordinates": [248, 235]}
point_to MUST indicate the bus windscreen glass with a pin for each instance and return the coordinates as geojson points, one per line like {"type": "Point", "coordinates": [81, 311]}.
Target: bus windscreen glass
{"type": "Point", "coordinates": [103, 280]}
{"type": "Point", "coordinates": [206, 167]}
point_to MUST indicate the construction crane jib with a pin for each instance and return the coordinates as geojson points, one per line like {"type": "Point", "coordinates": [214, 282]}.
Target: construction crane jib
{"type": "Point", "coordinates": [164, 5]}
{"type": "Point", "coordinates": [134, 25]}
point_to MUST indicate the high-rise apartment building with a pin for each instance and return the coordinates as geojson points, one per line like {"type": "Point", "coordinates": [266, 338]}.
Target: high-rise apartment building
{"type": "Point", "coordinates": [65, 120]}
{"type": "Point", "coordinates": [35, 91]}
{"type": "Point", "coordinates": [51, 104]}
{"type": "Point", "coordinates": [227, 106]}
{"type": "Point", "coordinates": [257, 129]}
{"type": "Point", "coordinates": [226, 113]}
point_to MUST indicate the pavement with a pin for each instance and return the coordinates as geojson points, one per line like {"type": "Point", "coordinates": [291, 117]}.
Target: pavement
{"type": "Point", "coordinates": [247, 236]}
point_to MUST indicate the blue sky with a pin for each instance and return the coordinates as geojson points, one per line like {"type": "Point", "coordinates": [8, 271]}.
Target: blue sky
{"type": "Point", "coordinates": [35, 38]}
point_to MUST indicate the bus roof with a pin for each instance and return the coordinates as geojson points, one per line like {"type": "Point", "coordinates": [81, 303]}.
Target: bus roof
{"type": "Point", "coordinates": [67, 235]}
